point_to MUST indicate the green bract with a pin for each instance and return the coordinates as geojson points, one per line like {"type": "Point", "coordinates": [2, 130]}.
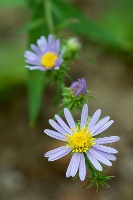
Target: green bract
{"type": "Point", "coordinates": [72, 102]}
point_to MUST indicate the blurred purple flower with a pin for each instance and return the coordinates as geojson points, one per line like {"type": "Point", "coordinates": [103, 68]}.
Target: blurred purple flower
{"type": "Point", "coordinates": [45, 55]}
{"type": "Point", "coordinates": [78, 88]}
{"type": "Point", "coordinates": [81, 140]}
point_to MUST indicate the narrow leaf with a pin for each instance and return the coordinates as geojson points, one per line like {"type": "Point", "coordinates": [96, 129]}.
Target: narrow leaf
{"type": "Point", "coordinates": [86, 26]}
{"type": "Point", "coordinates": [36, 79]}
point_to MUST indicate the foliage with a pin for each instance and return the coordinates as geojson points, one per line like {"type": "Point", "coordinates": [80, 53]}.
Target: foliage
{"type": "Point", "coordinates": [13, 3]}
{"type": "Point", "coordinates": [52, 15]}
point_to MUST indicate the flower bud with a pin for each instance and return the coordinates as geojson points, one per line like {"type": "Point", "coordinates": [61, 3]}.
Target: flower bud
{"type": "Point", "coordinates": [74, 44]}
{"type": "Point", "coordinates": [78, 88]}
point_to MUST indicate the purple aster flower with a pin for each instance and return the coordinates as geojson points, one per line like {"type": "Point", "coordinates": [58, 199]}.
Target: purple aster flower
{"type": "Point", "coordinates": [78, 88]}
{"type": "Point", "coordinates": [44, 56]}
{"type": "Point", "coordinates": [81, 140]}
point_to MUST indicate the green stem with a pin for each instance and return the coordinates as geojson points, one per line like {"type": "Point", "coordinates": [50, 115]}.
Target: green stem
{"type": "Point", "coordinates": [48, 14]}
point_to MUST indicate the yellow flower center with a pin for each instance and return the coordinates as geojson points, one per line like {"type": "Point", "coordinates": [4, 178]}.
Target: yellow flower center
{"type": "Point", "coordinates": [48, 60]}
{"type": "Point", "coordinates": [81, 140]}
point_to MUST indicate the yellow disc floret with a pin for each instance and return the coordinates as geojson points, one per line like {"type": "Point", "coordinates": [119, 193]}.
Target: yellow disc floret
{"type": "Point", "coordinates": [80, 140]}
{"type": "Point", "coordinates": [48, 60]}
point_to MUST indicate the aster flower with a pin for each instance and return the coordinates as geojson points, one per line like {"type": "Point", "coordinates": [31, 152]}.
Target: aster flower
{"type": "Point", "coordinates": [81, 141]}
{"type": "Point", "coordinates": [78, 88]}
{"type": "Point", "coordinates": [44, 56]}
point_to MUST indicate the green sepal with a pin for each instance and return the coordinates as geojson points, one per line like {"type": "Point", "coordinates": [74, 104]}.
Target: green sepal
{"type": "Point", "coordinates": [60, 74]}
{"type": "Point", "coordinates": [76, 176]}
{"type": "Point", "coordinates": [96, 177]}
{"type": "Point", "coordinates": [73, 102]}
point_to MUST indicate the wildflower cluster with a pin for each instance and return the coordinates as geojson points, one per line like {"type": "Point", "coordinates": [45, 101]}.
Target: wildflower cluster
{"type": "Point", "coordinates": [80, 139]}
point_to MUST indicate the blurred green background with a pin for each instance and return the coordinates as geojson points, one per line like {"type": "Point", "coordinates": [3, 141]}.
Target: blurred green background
{"type": "Point", "coordinates": [105, 29]}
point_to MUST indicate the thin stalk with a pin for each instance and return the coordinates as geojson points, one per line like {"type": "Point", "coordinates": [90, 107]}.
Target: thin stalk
{"type": "Point", "coordinates": [48, 14]}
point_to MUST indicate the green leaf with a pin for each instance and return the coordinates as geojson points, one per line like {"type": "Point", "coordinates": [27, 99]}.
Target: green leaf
{"type": "Point", "coordinates": [36, 79]}
{"type": "Point", "coordinates": [36, 86]}
{"type": "Point", "coordinates": [13, 3]}
{"type": "Point", "coordinates": [12, 71]}
{"type": "Point", "coordinates": [66, 23]}
{"type": "Point", "coordinates": [85, 26]}
{"type": "Point", "coordinates": [32, 25]}
{"type": "Point", "coordinates": [118, 19]}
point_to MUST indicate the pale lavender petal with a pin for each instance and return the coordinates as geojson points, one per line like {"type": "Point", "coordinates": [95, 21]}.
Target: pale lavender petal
{"type": "Point", "coordinates": [109, 156]}
{"type": "Point", "coordinates": [69, 119]}
{"type": "Point", "coordinates": [42, 43]}
{"type": "Point", "coordinates": [55, 135]}
{"type": "Point", "coordinates": [99, 157]}
{"type": "Point", "coordinates": [59, 154]}
{"type": "Point", "coordinates": [99, 124]}
{"type": "Point", "coordinates": [36, 50]}
{"type": "Point", "coordinates": [51, 44]}
{"type": "Point", "coordinates": [84, 116]}
{"type": "Point", "coordinates": [94, 162]}
{"type": "Point", "coordinates": [103, 128]}
{"type": "Point", "coordinates": [51, 41]}
{"type": "Point", "coordinates": [71, 164]}
{"type": "Point", "coordinates": [35, 68]}
{"type": "Point", "coordinates": [57, 46]}
{"type": "Point", "coordinates": [63, 124]}
{"type": "Point", "coordinates": [74, 165]}
{"type": "Point", "coordinates": [57, 126]}
{"type": "Point", "coordinates": [49, 153]}
{"type": "Point", "coordinates": [35, 62]}
{"type": "Point", "coordinates": [62, 52]}
{"type": "Point", "coordinates": [107, 140]}
{"type": "Point", "coordinates": [82, 168]}
{"type": "Point", "coordinates": [30, 55]}
{"type": "Point", "coordinates": [105, 148]}
{"type": "Point", "coordinates": [56, 68]}
{"type": "Point", "coordinates": [79, 91]}
{"type": "Point", "coordinates": [74, 169]}
{"type": "Point", "coordinates": [58, 62]}
{"type": "Point", "coordinates": [74, 84]}
{"type": "Point", "coordinates": [84, 85]}
{"type": "Point", "coordinates": [94, 119]}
